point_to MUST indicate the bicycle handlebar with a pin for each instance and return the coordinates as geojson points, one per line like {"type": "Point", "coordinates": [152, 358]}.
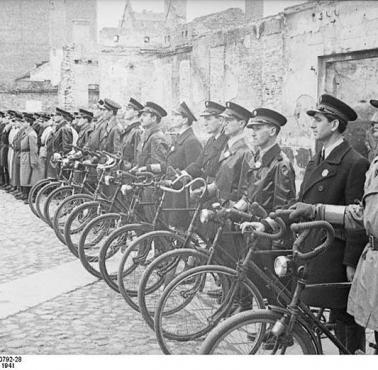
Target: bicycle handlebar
{"type": "Point", "coordinates": [304, 229]}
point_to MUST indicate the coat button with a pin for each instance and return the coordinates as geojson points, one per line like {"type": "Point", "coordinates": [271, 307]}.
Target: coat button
{"type": "Point", "coordinates": [321, 188]}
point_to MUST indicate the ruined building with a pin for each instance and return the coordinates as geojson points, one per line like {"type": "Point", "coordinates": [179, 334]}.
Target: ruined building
{"type": "Point", "coordinates": [40, 41]}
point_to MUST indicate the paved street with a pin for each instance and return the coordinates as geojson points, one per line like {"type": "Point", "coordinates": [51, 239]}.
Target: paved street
{"type": "Point", "coordinates": [89, 319]}
{"type": "Point", "coordinates": [50, 305]}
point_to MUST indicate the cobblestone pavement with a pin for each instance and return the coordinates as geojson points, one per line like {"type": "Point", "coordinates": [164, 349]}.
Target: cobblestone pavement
{"type": "Point", "coordinates": [92, 319]}
{"type": "Point", "coordinates": [27, 244]}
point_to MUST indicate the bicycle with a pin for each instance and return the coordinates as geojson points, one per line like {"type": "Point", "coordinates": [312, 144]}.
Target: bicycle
{"type": "Point", "coordinates": [90, 192]}
{"type": "Point", "coordinates": [280, 330]}
{"type": "Point", "coordinates": [192, 252]}
{"type": "Point", "coordinates": [195, 288]}
{"type": "Point", "coordinates": [122, 213]}
{"type": "Point", "coordinates": [118, 240]}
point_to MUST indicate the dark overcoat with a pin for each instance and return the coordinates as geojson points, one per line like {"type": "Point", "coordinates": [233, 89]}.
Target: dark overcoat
{"type": "Point", "coordinates": [269, 180]}
{"type": "Point", "coordinates": [230, 166]}
{"type": "Point", "coordinates": [130, 138]}
{"type": "Point", "coordinates": [338, 180]}
{"type": "Point", "coordinates": [184, 150]}
{"type": "Point", "coordinates": [152, 149]}
{"type": "Point", "coordinates": [207, 163]}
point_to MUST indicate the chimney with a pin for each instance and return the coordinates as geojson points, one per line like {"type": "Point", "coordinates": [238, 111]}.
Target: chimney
{"type": "Point", "coordinates": [254, 9]}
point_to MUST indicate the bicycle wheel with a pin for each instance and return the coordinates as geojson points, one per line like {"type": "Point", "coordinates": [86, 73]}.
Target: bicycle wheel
{"type": "Point", "coordinates": [34, 191]}
{"type": "Point", "coordinates": [53, 201]}
{"type": "Point", "coordinates": [206, 295]}
{"type": "Point", "coordinates": [93, 237]}
{"type": "Point", "coordinates": [78, 219]}
{"type": "Point", "coordinates": [249, 333]}
{"type": "Point", "coordinates": [160, 272]}
{"type": "Point", "coordinates": [113, 249]}
{"type": "Point", "coordinates": [64, 210]}
{"type": "Point", "coordinates": [137, 258]}
{"type": "Point", "coordinates": [42, 195]}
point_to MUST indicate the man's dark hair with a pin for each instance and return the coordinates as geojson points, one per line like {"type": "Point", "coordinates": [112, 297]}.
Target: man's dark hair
{"type": "Point", "coordinates": [342, 124]}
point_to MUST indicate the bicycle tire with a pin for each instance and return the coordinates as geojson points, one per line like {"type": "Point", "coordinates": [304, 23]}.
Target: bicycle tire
{"type": "Point", "coordinates": [42, 195]}
{"type": "Point", "coordinates": [48, 212]}
{"type": "Point", "coordinates": [33, 193]}
{"type": "Point", "coordinates": [61, 211]}
{"type": "Point", "coordinates": [142, 247]}
{"type": "Point", "coordinates": [165, 259]}
{"type": "Point", "coordinates": [266, 318]}
{"type": "Point", "coordinates": [107, 251]}
{"type": "Point", "coordinates": [92, 209]}
{"type": "Point", "coordinates": [213, 271]}
{"type": "Point", "coordinates": [89, 260]}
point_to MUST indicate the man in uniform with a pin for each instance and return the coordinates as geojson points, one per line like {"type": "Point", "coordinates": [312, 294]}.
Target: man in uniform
{"type": "Point", "coordinates": [153, 147]}
{"type": "Point", "coordinates": [184, 150]}
{"type": "Point", "coordinates": [130, 134]}
{"type": "Point", "coordinates": [226, 182]}
{"type": "Point", "coordinates": [28, 157]}
{"type": "Point", "coordinates": [63, 137]}
{"type": "Point", "coordinates": [268, 177]}
{"type": "Point", "coordinates": [107, 134]}
{"type": "Point", "coordinates": [335, 176]}
{"type": "Point", "coordinates": [17, 155]}
{"type": "Point", "coordinates": [207, 163]}
{"type": "Point", "coordinates": [372, 134]}
{"type": "Point", "coordinates": [86, 128]}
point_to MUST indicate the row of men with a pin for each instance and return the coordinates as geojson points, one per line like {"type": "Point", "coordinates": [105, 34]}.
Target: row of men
{"type": "Point", "coordinates": [235, 175]}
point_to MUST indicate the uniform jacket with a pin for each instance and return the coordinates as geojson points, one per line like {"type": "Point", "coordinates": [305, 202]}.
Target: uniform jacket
{"type": "Point", "coordinates": [85, 134]}
{"type": "Point", "coordinates": [269, 181]}
{"type": "Point", "coordinates": [207, 164]}
{"type": "Point", "coordinates": [230, 167]}
{"type": "Point", "coordinates": [130, 138]}
{"type": "Point", "coordinates": [338, 180]}
{"type": "Point", "coordinates": [184, 150]}
{"type": "Point", "coordinates": [109, 138]}
{"type": "Point", "coordinates": [62, 139]}
{"type": "Point", "coordinates": [153, 148]}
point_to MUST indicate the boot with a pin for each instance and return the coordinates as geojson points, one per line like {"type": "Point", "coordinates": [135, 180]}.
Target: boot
{"type": "Point", "coordinates": [351, 335]}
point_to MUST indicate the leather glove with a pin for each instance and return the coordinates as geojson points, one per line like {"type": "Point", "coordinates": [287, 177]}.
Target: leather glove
{"type": "Point", "coordinates": [196, 193]}
{"type": "Point", "coordinates": [302, 211]}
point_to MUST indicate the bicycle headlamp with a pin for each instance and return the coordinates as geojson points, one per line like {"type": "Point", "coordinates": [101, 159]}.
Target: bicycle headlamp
{"type": "Point", "coordinates": [281, 266]}
{"type": "Point", "coordinates": [205, 216]}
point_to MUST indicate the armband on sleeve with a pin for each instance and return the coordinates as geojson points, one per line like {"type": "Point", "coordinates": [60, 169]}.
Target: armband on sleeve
{"type": "Point", "coordinates": [333, 214]}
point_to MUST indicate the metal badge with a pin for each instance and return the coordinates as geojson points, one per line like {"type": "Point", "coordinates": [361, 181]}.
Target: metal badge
{"type": "Point", "coordinates": [258, 164]}
{"type": "Point", "coordinates": [227, 154]}
{"type": "Point", "coordinates": [172, 148]}
{"type": "Point", "coordinates": [325, 173]}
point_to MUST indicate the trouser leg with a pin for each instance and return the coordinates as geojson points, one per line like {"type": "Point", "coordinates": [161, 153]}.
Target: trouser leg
{"type": "Point", "coordinates": [348, 332]}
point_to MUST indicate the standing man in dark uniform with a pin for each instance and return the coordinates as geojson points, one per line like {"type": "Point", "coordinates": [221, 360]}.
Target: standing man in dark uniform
{"type": "Point", "coordinates": [268, 177]}
{"type": "Point", "coordinates": [86, 128]}
{"type": "Point", "coordinates": [207, 164]}
{"type": "Point", "coordinates": [226, 182]}
{"type": "Point", "coordinates": [336, 176]}
{"type": "Point", "coordinates": [153, 147]}
{"type": "Point", "coordinates": [63, 137]}
{"type": "Point", "coordinates": [109, 133]}
{"type": "Point", "coordinates": [184, 150]}
{"type": "Point", "coordinates": [130, 134]}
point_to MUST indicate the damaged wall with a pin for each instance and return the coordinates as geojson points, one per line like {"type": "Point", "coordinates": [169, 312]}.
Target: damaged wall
{"type": "Point", "coordinates": [278, 62]}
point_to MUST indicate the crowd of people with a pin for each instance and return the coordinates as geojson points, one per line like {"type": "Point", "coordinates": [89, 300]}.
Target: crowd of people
{"type": "Point", "coordinates": [235, 175]}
